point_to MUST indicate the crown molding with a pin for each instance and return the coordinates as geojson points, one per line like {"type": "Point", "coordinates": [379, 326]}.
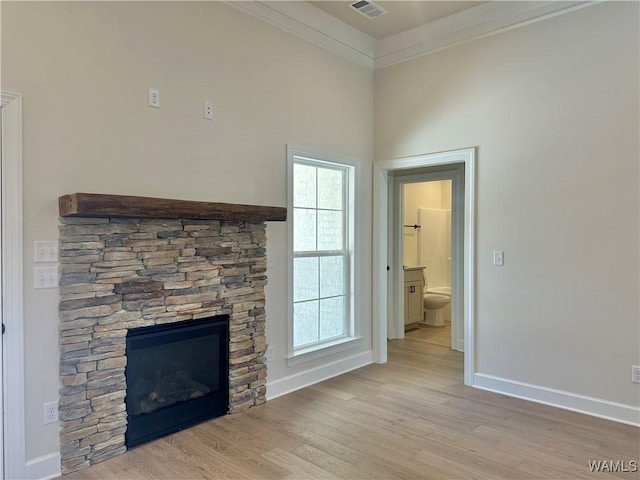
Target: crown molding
{"type": "Point", "coordinates": [477, 22]}
{"type": "Point", "coordinates": [318, 27]}
{"type": "Point", "coordinates": [6, 98]}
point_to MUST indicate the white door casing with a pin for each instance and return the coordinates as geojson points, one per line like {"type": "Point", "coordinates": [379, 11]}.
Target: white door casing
{"type": "Point", "coordinates": [382, 180]}
{"type": "Point", "coordinates": [12, 287]}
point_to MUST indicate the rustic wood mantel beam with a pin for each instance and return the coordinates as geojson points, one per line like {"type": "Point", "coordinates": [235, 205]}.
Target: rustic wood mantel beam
{"type": "Point", "coordinates": [126, 206]}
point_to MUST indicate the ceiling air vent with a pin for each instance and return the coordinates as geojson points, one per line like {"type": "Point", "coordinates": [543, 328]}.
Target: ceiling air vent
{"type": "Point", "coordinates": [368, 9]}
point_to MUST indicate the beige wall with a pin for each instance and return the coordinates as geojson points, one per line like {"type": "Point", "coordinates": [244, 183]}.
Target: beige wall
{"type": "Point", "coordinates": [84, 68]}
{"type": "Point", "coordinates": [553, 108]}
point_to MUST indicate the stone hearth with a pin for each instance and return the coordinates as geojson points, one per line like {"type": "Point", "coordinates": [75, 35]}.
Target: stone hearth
{"type": "Point", "coordinates": [119, 273]}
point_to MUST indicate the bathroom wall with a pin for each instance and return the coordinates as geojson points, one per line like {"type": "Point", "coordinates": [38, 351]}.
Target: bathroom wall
{"type": "Point", "coordinates": [434, 246]}
{"type": "Point", "coordinates": [421, 248]}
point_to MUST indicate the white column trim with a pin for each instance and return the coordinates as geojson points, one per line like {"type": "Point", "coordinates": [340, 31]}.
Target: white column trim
{"type": "Point", "coordinates": [12, 286]}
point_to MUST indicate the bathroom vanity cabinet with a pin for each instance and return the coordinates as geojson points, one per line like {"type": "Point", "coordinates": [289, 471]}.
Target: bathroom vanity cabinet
{"type": "Point", "coordinates": [413, 292]}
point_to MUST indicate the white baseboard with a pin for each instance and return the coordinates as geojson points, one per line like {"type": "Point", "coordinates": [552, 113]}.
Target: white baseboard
{"type": "Point", "coordinates": [44, 467]}
{"type": "Point", "coordinates": [597, 407]}
{"type": "Point", "coordinates": [295, 382]}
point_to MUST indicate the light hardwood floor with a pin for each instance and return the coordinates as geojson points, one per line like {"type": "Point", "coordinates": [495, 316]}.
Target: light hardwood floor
{"type": "Point", "coordinates": [408, 419]}
{"type": "Point", "coordinates": [435, 335]}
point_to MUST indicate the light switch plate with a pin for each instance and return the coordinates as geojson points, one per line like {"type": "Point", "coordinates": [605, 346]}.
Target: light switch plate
{"type": "Point", "coordinates": [45, 251]}
{"type": "Point", "coordinates": [498, 258]}
{"type": "Point", "coordinates": [45, 277]}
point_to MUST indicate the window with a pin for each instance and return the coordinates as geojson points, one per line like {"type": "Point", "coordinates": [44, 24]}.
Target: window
{"type": "Point", "coordinates": [321, 236]}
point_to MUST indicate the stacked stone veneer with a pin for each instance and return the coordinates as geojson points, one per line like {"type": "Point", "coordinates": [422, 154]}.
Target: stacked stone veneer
{"type": "Point", "coordinates": [118, 274]}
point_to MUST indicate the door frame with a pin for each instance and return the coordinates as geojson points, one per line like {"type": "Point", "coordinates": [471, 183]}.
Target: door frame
{"type": "Point", "coordinates": [383, 290]}
{"type": "Point", "coordinates": [455, 173]}
{"type": "Point", "coordinates": [12, 288]}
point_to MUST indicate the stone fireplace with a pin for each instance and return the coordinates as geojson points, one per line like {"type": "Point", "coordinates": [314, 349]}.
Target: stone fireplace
{"type": "Point", "coordinates": [130, 262]}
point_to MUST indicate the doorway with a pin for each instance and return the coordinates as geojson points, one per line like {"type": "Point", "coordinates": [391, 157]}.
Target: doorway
{"type": "Point", "coordinates": [387, 278]}
{"type": "Point", "coordinates": [401, 181]}
{"type": "Point", "coordinates": [429, 250]}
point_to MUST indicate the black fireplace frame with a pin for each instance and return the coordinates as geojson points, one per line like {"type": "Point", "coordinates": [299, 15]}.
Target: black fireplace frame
{"type": "Point", "coordinates": [144, 428]}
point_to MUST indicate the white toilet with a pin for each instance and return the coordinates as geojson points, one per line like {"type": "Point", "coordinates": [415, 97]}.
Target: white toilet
{"type": "Point", "coordinates": [446, 291]}
{"type": "Point", "coordinates": [434, 306]}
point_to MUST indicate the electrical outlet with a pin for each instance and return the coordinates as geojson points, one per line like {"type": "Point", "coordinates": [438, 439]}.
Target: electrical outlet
{"type": "Point", "coordinates": [635, 373]}
{"type": "Point", "coordinates": [50, 412]}
{"type": "Point", "coordinates": [45, 277]}
{"type": "Point", "coordinates": [45, 251]}
{"type": "Point", "coordinates": [207, 110]}
{"type": "Point", "coordinates": [154, 98]}
{"type": "Point", "coordinates": [498, 258]}
{"type": "Point", "coordinates": [268, 355]}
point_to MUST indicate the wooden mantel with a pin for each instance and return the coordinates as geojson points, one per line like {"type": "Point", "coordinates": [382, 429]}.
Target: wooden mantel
{"type": "Point", "coordinates": [125, 206]}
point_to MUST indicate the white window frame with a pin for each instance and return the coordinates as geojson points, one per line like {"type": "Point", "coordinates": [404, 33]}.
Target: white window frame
{"type": "Point", "coordinates": [352, 337]}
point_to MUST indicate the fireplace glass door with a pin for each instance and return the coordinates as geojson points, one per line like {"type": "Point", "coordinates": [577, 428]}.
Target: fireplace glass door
{"type": "Point", "coordinates": [177, 375]}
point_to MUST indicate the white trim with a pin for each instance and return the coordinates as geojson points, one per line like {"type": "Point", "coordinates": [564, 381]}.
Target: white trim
{"type": "Point", "coordinates": [6, 98]}
{"type": "Point", "coordinates": [595, 407]}
{"type": "Point", "coordinates": [380, 223]}
{"type": "Point", "coordinates": [331, 348]}
{"type": "Point", "coordinates": [379, 274]}
{"type": "Point", "coordinates": [304, 379]}
{"type": "Point", "coordinates": [314, 25]}
{"type": "Point", "coordinates": [318, 27]}
{"type": "Point", "coordinates": [477, 22]}
{"type": "Point", "coordinates": [12, 285]}
{"type": "Point", "coordinates": [44, 467]}
{"type": "Point", "coordinates": [355, 279]}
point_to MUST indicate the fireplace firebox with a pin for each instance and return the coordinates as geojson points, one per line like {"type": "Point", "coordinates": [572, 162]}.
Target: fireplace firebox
{"type": "Point", "coordinates": [177, 375]}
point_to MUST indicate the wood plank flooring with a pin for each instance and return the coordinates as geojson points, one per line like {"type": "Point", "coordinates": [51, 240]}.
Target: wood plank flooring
{"type": "Point", "coordinates": [428, 334]}
{"type": "Point", "coordinates": [411, 418]}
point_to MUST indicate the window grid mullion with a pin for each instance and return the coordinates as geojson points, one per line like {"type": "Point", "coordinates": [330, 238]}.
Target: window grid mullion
{"type": "Point", "coordinates": [318, 254]}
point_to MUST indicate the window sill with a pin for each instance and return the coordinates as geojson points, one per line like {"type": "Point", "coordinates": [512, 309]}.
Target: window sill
{"type": "Point", "coordinates": [324, 350]}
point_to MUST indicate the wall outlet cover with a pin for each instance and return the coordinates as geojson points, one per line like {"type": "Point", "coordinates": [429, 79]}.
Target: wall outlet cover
{"type": "Point", "coordinates": [154, 98]}
{"type": "Point", "coordinates": [50, 412]}
{"type": "Point", "coordinates": [207, 110]}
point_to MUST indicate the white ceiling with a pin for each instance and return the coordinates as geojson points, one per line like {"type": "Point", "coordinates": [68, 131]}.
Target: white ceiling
{"type": "Point", "coordinates": [401, 15]}
{"type": "Point", "coordinates": [410, 29]}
